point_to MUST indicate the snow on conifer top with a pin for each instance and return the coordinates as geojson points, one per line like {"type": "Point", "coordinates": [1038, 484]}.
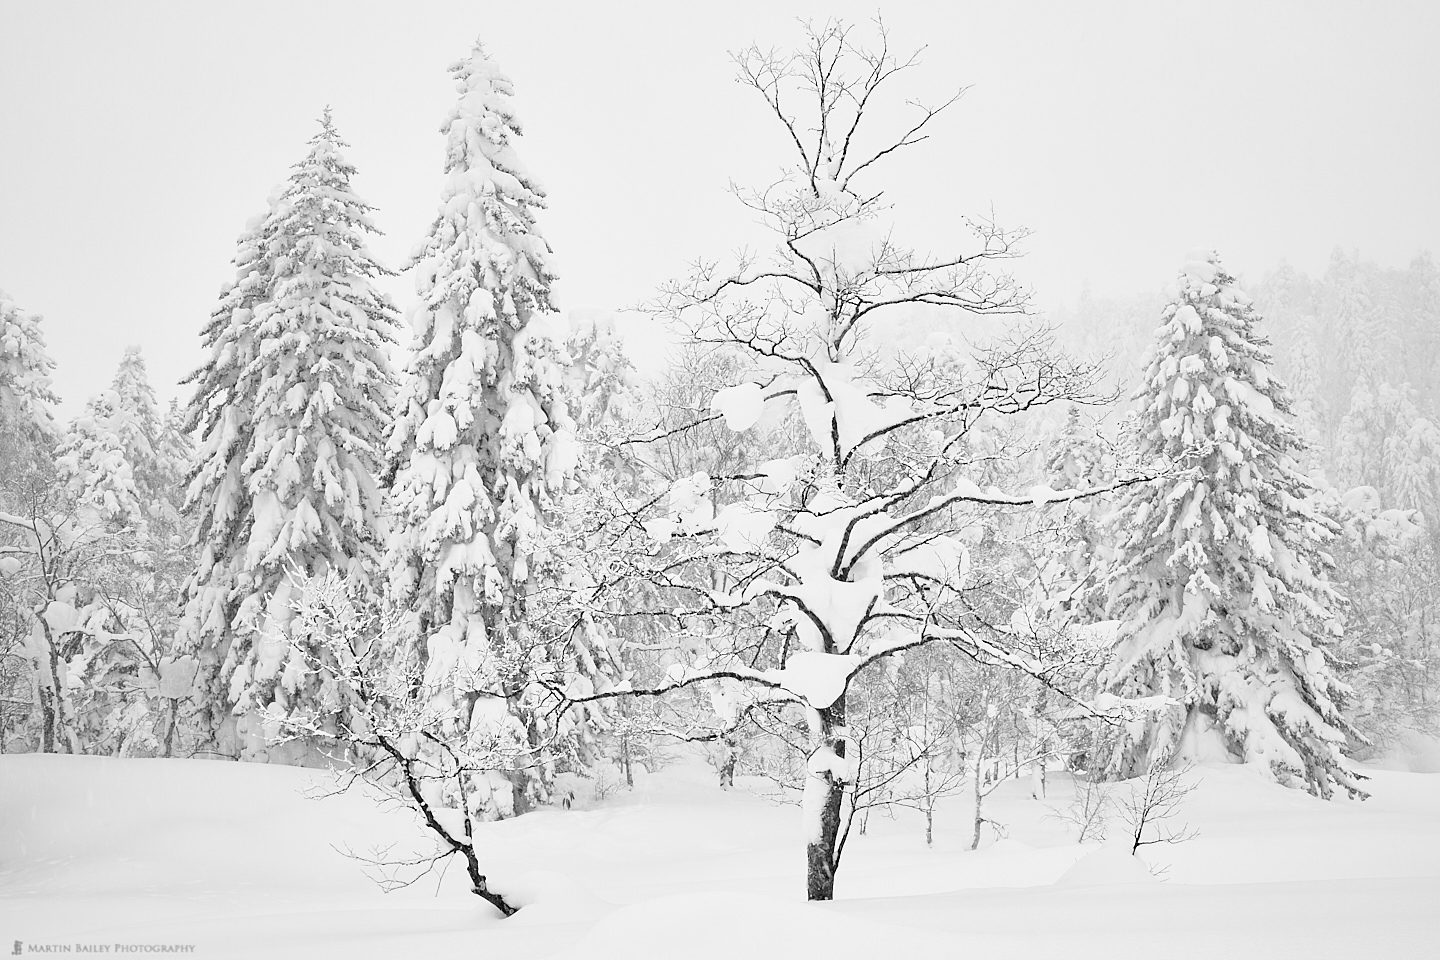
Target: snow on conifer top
{"type": "Point", "coordinates": [95, 465]}
{"type": "Point", "coordinates": [134, 395]}
{"type": "Point", "coordinates": [138, 427]}
{"type": "Point", "coordinates": [1223, 590]}
{"type": "Point", "coordinates": [488, 204]}
{"type": "Point", "coordinates": [322, 375]}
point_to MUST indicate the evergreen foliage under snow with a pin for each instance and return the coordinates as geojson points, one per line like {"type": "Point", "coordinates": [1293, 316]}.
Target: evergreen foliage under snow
{"type": "Point", "coordinates": [484, 436]}
{"type": "Point", "coordinates": [289, 411]}
{"type": "Point", "coordinates": [1221, 583]}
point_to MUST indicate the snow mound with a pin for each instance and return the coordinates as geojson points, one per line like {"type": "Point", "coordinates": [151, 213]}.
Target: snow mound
{"type": "Point", "coordinates": [1105, 867]}
{"type": "Point", "coordinates": [727, 926]}
{"type": "Point", "coordinates": [242, 861]}
{"type": "Point", "coordinates": [546, 896]}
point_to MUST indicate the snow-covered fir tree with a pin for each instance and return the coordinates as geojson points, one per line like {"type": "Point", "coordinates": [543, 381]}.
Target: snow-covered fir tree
{"type": "Point", "coordinates": [26, 397]}
{"type": "Point", "coordinates": [174, 451]}
{"type": "Point", "coordinates": [115, 458]}
{"type": "Point", "coordinates": [27, 508]}
{"type": "Point", "coordinates": [98, 466]}
{"type": "Point", "coordinates": [1221, 585]}
{"type": "Point", "coordinates": [146, 582]}
{"type": "Point", "coordinates": [139, 423]}
{"type": "Point", "coordinates": [219, 417]}
{"type": "Point", "coordinates": [483, 442]}
{"type": "Point", "coordinates": [323, 394]}
{"type": "Point", "coordinates": [1067, 574]}
{"type": "Point", "coordinates": [1374, 436]}
{"type": "Point", "coordinates": [137, 398]}
{"type": "Point", "coordinates": [291, 491]}
{"type": "Point", "coordinates": [606, 385]}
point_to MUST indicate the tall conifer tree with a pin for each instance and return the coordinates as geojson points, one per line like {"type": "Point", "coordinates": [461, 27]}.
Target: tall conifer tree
{"type": "Point", "coordinates": [1221, 584]}
{"type": "Point", "coordinates": [291, 412]}
{"type": "Point", "coordinates": [27, 420]}
{"type": "Point", "coordinates": [483, 440]}
{"type": "Point", "coordinates": [220, 416]}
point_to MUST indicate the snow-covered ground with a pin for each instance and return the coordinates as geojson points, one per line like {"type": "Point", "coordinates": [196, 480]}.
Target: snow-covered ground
{"type": "Point", "coordinates": [237, 860]}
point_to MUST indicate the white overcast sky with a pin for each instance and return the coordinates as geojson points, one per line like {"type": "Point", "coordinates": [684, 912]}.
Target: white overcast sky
{"type": "Point", "coordinates": [137, 138]}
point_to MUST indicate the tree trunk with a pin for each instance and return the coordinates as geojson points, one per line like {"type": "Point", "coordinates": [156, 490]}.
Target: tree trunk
{"type": "Point", "coordinates": [481, 887]}
{"type": "Point", "coordinates": [727, 773]}
{"type": "Point", "coordinates": [929, 807]}
{"type": "Point", "coordinates": [728, 761]}
{"type": "Point", "coordinates": [47, 720]}
{"type": "Point", "coordinates": [170, 728]}
{"type": "Point", "coordinates": [821, 854]}
{"type": "Point", "coordinates": [57, 730]}
{"type": "Point", "coordinates": [979, 802]}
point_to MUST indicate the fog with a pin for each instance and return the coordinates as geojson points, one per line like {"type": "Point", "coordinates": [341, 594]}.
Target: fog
{"type": "Point", "coordinates": [140, 138]}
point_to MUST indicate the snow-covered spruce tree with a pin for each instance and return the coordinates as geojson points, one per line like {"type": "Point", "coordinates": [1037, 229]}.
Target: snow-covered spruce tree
{"type": "Point", "coordinates": [98, 468]}
{"type": "Point", "coordinates": [136, 397]}
{"type": "Point", "coordinates": [29, 574]}
{"type": "Point", "coordinates": [323, 390]}
{"type": "Point", "coordinates": [164, 565]}
{"type": "Point", "coordinates": [75, 525]}
{"type": "Point", "coordinates": [290, 413]}
{"type": "Point", "coordinates": [483, 441]}
{"type": "Point", "coordinates": [1066, 576]}
{"type": "Point", "coordinates": [158, 450]}
{"type": "Point", "coordinates": [848, 543]}
{"type": "Point", "coordinates": [1220, 583]}
{"type": "Point", "coordinates": [121, 474]}
{"type": "Point", "coordinates": [117, 457]}
{"type": "Point", "coordinates": [140, 427]}
{"type": "Point", "coordinates": [220, 417]}
{"type": "Point", "coordinates": [27, 420]}
{"type": "Point", "coordinates": [174, 451]}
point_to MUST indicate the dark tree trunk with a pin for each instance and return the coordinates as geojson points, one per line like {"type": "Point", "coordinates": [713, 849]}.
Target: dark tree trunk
{"type": "Point", "coordinates": [465, 846]}
{"type": "Point", "coordinates": [929, 806]}
{"type": "Point", "coordinates": [978, 819]}
{"type": "Point", "coordinates": [170, 728]}
{"type": "Point", "coordinates": [822, 856]}
{"type": "Point", "coordinates": [727, 762]}
{"type": "Point", "coordinates": [56, 732]}
{"type": "Point", "coordinates": [481, 887]}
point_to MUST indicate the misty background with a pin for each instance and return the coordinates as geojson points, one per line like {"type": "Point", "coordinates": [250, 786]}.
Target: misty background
{"type": "Point", "coordinates": [141, 137]}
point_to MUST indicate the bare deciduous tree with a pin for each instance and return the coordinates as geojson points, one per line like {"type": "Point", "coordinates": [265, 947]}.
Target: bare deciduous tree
{"type": "Point", "coordinates": [1153, 802]}
{"type": "Point", "coordinates": [392, 733]}
{"type": "Point", "coordinates": [1089, 811]}
{"type": "Point", "coordinates": [848, 545]}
